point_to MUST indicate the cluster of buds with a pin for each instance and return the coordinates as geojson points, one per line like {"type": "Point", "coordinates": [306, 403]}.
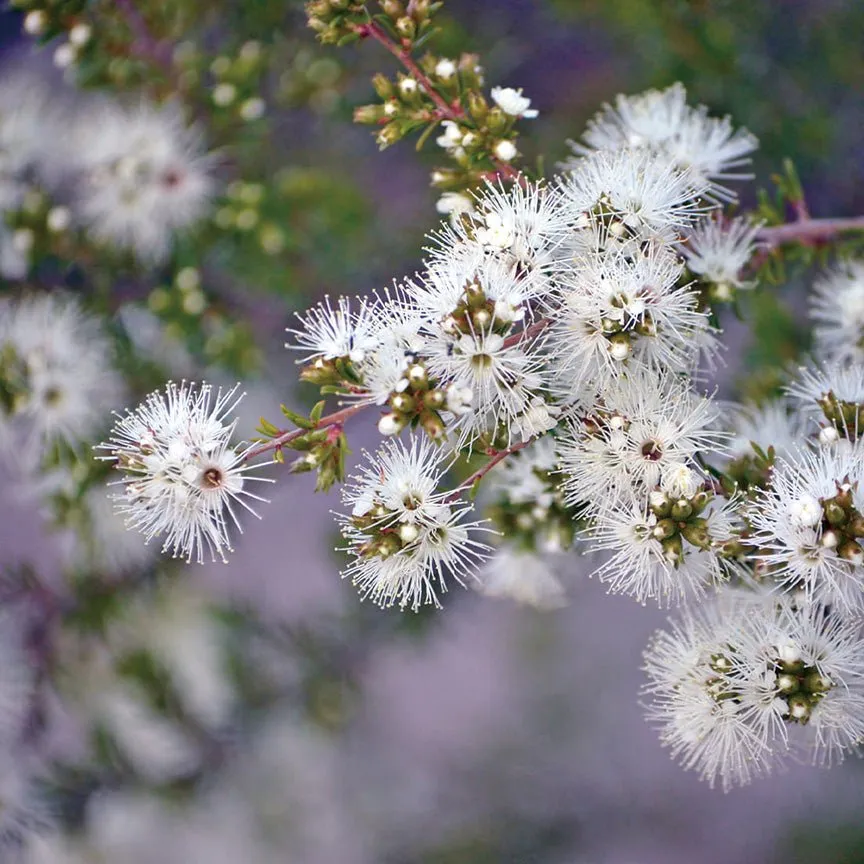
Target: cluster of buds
{"type": "Point", "coordinates": [242, 211]}
{"type": "Point", "coordinates": [679, 519]}
{"type": "Point", "coordinates": [335, 21]}
{"type": "Point", "coordinates": [418, 402]}
{"type": "Point", "coordinates": [385, 536]}
{"type": "Point", "coordinates": [433, 93]}
{"type": "Point", "coordinates": [478, 313]}
{"type": "Point", "coordinates": [799, 685]}
{"type": "Point", "coordinates": [846, 419]}
{"type": "Point", "coordinates": [236, 86]}
{"type": "Point", "coordinates": [842, 524]}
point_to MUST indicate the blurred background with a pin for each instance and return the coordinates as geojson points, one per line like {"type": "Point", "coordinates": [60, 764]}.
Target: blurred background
{"type": "Point", "coordinates": [486, 732]}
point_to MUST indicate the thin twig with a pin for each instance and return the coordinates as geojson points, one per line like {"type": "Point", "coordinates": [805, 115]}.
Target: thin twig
{"type": "Point", "coordinates": [809, 231]}
{"type": "Point", "coordinates": [497, 457]}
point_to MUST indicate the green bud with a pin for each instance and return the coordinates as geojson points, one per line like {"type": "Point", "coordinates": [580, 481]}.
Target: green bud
{"type": "Point", "coordinates": [682, 509]}
{"type": "Point", "coordinates": [673, 550]}
{"type": "Point", "coordinates": [851, 551]}
{"type": "Point", "coordinates": [696, 532]}
{"type": "Point", "coordinates": [406, 27]}
{"type": "Point", "coordinates": [478, 107]}
{"type": "Point", "coordinates": [383, 87]}
{"type": "Point", "coordinates": [700, 501]}
{"type": "Point", "coordinates": [432, 425]}
{"type": "Point", "coordinates": [816, 683]}
{"type": "Point", "coordinates": [435, 399]}
{"type": "Point", "coordinates": [390, 134]}
{"type": "Point", "coordinates": [403, 403]}
{"type": "Point", "coordinates": [368, 114]}
{"type": "Point", "coordinates": [664, 528]}
{"type": "Point", "coordinates": [392, 8]}
{"type": "Point", "coordinates": [388, 545]}
{"type": "Point", "coordinates": [834, 513]}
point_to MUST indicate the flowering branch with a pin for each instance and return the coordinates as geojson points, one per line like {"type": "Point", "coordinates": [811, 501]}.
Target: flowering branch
{"type": "Point", "coordinates": [444, 110]}
{"type": "Point", "coordinates": [375, 31]}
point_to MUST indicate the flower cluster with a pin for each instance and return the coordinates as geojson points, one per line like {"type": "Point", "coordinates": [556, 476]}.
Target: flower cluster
{"type": "Point", "coordinates": [748, 680]}
{"type": "Point", "coordinates": [182, 475]}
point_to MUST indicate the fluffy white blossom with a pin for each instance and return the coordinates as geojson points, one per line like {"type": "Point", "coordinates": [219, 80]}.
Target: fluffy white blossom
{"type": "Point", "coordinates": [56, 364]}
{"type": "Point", "coordinates": [618, 315]}
{"type": "Point", "coordinates": [633, 189]}
{"type": "Point", "coordinates": [653, 558]}
{"type": "Point", "coordinates": [808, 524]}
{"type": "Point", "coordinates": [183, 478]}
{"type": "Point", "coordinates": [406, 537]}
{"type": "Point", "coordinates": [837, 309]}
{"type": "Point", "coordinates": [747, 681]}
{"type": "Point", "coordinates": [717, 250]}
{"type": "Point", "coordinates": [663, 123]}
{"type": "Point", "coordinates": [626, 443]}
{"type": "Point", "coordinates": [144, 175]}
{"type": "Point", "coordinates": [328, 333]}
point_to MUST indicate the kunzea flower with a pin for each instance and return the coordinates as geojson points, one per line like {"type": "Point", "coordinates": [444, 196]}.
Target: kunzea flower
{"type": "Point", "coordinates": [182, 476]}
{"type": "Point", "coordinates": [144, 176]}
{"type": "Point", "coordinates": [808, 526]}
{"type": "Point", "coordinates": [406, 538]}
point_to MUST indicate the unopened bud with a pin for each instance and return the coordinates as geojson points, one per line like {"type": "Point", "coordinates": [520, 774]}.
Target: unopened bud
{"type": "Point", "coordinates": [390, 424]}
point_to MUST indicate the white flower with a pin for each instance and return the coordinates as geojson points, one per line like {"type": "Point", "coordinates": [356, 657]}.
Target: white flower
{"type": "Point", "coordinates": [330, 334]}
{"type": "Point", "coordinates": [537, 419]}
{"type": "Point", "coordinates": [837, 308]}
{"type": "Point", "coordinates": [644, 427]}
{"type": "Point", "coordinates": [697, 680]}
{"type": "Point", "coordinates": [144, 176]}
{"type": "Point", "coordinates": [717, 250]}
{"type": "Point", "coordinates": [406, 537]}
{"type": "Point", "coordinates": [512, 102]}
{"type": "Point", "coordinates": [645, 194]}
{"type": "Point", "coordinates": [663, 123]}
{"type": "Point", "coordinates": [182, 474]}
{"type": "Point", "coordinates": [520, 478]}
{"type": "Point", "coordinates": [451, 139]}
{"type": "Point", "coordinates": [747, 681]}
{"type": "Point", "coordinates": [503, 378]}
{"type": "Point", "coordinates": [58, 364]}
{"type": "Point", "coordinates": [524, 577]}
{"type": "Point", "coordinates": [617, 315]}
{"type": "Point", "coordinates": [445, 69]}
{"type": "Point", "coordinates": [652, 560]}
{"type": "Point", "coordinates": [806, 524]}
